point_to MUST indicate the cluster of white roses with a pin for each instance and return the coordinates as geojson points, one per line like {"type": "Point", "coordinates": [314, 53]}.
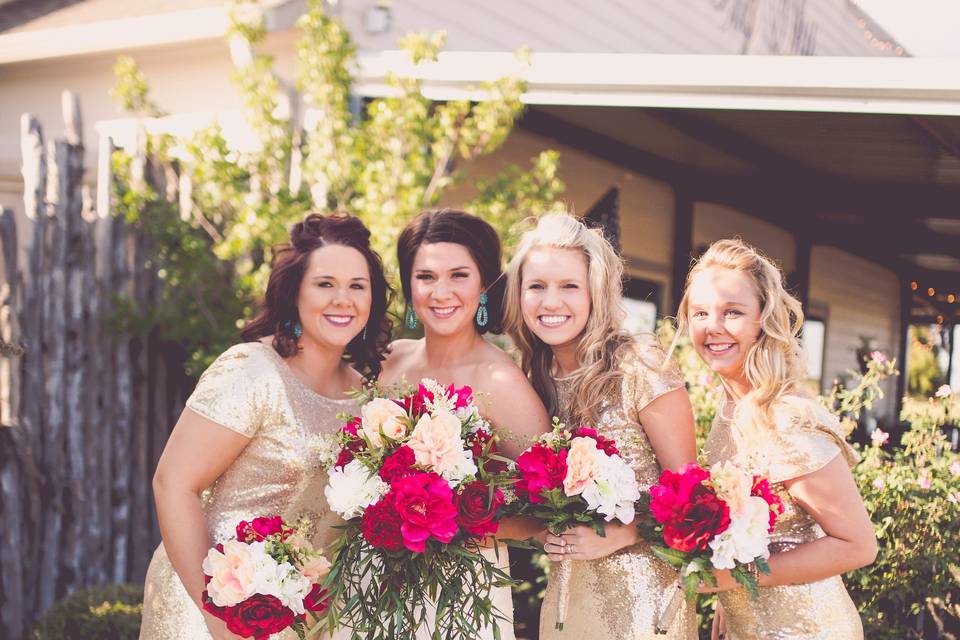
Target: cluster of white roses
{"type": "Point", "coordinates": [242, 570]}
{"type": "Point", "coordinates": [747, 537]}
{"type": "Point", "coordinates": [606, 482]}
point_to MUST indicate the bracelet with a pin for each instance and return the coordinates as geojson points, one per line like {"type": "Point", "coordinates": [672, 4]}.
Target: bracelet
{"type": "Point", "coordinates": [753, 571]}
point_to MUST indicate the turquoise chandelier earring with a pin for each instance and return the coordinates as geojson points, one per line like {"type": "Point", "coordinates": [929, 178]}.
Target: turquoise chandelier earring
{"type": "Point", "coordinates": [293, 328]}
{"type": "Point", "coordinates": [482, 316]}
{"type": "Point", "coordinates": [410, 318]}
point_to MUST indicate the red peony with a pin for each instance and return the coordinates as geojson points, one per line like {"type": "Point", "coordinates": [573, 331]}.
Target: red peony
{"type": "Point", "coordinates": [424, 502]}
{"type": "Point", "coordinates": [476, 512]}
{"type": "Point", "coordinates": [398, 465]}
{"type": "Point", "coordinates": [317, 600]}
{"type": "Point", "coordinates": [761, 488]}
{"type": "Point", "coordinates": [541, 468]}
{"type": "Point", "coordinates": [697, 521]}
{"type": "Point", "coordinates": [606, 445]}
{"type": "Point", "coordinates": [380, 525]}
{"type": "Point", "coordinates": [260, 528]}
{"type": "Point", "coordinates": [258, 616]}
{"type": "Point", "coordinates": [672, 491]}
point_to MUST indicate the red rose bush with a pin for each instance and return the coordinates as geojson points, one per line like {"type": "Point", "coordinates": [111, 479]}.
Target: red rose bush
{"type": "Point", "coordinates": [575, 477]}
{"type": "Point", "coordinates": [265, 579]}
{"type": "Point", "coordinates": [419, 481]}
{"type": "Point", "coordinates": [700, 520]}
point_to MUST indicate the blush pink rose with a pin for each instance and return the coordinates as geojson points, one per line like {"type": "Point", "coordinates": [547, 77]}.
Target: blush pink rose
{"type": "Point", "coordinates": [436, 442]}
{"type": "Point", "coordinates": [382, 416]}
{"type": "Point", "coordinates": [581, 465]}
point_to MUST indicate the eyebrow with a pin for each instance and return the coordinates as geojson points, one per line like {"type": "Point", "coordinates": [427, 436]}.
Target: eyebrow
{"type": "Point", "coordinates": [326, 277]}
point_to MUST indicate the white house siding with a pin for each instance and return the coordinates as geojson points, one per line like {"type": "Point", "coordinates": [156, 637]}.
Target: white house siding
{"type": "Point", "coordinates": [818, 27]}
{"type": "Point", "coordinates": [859, 298]}
{"type": "Point", "coordinates": [712, 222]}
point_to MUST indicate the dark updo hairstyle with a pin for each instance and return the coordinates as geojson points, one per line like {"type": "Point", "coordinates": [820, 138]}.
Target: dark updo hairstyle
{"type": "Point", "coordinates": [279, 313]}
{"type": "Point", "coordinates": [474, 234]}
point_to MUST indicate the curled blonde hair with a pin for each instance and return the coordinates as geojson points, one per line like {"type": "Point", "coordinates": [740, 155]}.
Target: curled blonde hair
{"type": "Point", "coordinates": [597, 353]}
{"type": "Point", "coordinates": [774, 366]}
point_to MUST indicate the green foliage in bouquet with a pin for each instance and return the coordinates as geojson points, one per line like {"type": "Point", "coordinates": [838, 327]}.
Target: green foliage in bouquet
{"type": "Point", "coordinates": [106, 612]}
{"type": "Point", "coordinates": [214, 213]}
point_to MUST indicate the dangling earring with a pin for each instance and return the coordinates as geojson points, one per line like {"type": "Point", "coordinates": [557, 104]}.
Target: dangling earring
{"type": "Point", "coordinates": [482, 316]}
{"type": "Point", "coordinates": [292, 328]}
{"type": "Point", "coordinates": [411, 318]}
{"type": "Point", "coordinates": [364, 338]}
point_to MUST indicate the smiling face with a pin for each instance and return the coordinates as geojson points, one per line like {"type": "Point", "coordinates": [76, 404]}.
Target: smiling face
{"type": "Point", "coordinates": [334, 300]}
{"type": "Point", "coordinates": [445, 287]}
{"type": "Point", "coordinates": [723, 312]}
{"type": "Point", "coordinates": [555, 294]}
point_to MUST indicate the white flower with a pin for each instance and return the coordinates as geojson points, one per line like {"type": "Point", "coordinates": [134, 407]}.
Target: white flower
{"type": "Point", "coordinates": [613, 490]}
{"type": "Point", "coordinates": [238, 572]}
{"type": "Point", "coordinates": [327, 448]}
{"type": "Point", "coordinates": [289, 586]}
{"type": "Point", "coordinates": [352, 489]}
{"type": "Point", "coordinates": [746, 538]}
{"type": "Point", "coordinates": [441, 402]}
{"type": "Point", "coordinates": [944, 391]}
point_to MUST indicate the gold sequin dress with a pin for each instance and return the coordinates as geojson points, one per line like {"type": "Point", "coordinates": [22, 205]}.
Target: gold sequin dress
{"type": "Point", "coordinates": [250, 389]}
{"type": "Point", "coordinates": [805, 439]}
{"type": "Point", "coordinates": [621, 596]}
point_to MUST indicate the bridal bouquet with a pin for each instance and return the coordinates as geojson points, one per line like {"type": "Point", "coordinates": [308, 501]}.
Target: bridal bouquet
{"type": "Point", "coordinates": [419, 481]}
{"type": "Point", "coordinates": [701, 520]}
{"type": "Point", "coordinates": [571, 477]}
{"type": "Point", "coordinates": [265, 580]}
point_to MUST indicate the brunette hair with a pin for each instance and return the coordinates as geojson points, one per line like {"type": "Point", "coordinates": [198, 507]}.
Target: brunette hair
{"type": "Point", "coordinates": [279, 310]}
{"type": "Point", "coordinates": [469, 231]}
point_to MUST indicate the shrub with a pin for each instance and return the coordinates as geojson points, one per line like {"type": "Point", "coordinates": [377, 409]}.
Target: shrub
{"type": "Point", "coordinates": [105, 612]}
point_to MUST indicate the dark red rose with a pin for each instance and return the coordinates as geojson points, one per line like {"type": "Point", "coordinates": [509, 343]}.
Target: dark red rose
{"type": "Point", "coordinates": [672, 491]}
{"type": "Point", "coordinates": [606, 445]}
{"type": "Point", "coordinates": [258, 616]}
{"type": "Point", "coordinates": [260, 528]}
{"type": "Point", "coordinates": [354, 443]}
{"type": "Point", "coordinates": [476, 512]}
{"type": "Point", "coordinates": [380, 525]}
{"type": "Point", "coordinates": [699, 520]}
{"type": "Point", "coordinates": [209, 606]}
{"type": "Point", "coordinates": [344, 458]}
{"type": "Point", "coordinates": [478, 443]}
{"type": "Point", "coordinates": [398, 464]}
{"type": "Point", "coordinates": [317, 600]}
{"type": "Point", "coordinates": [541, 468]}
{"type": "Point", "coordinates": [761, 489]}
{"type": "Point", "coordinates": [416, 403]}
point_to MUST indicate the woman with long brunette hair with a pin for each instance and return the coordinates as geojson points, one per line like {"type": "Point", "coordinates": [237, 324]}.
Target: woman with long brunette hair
{"type": "Point", "coordinates": [242, 447]}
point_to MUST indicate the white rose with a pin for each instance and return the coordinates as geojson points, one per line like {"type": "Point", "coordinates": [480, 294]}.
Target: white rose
{"type": "Point", "coordinates": [613, 490]}
{"type": "Point", "coordinates": [352, 489]}
{"type": "Point", "coordinates": [746, 538]}
{"type": "Point", "coordinates": [382, 416]}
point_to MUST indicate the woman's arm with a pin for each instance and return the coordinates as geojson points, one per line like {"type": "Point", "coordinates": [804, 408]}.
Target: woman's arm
{"type": "Point", "coordinates": [832, 499]}
{"type": "Point", "coordinates": [669, 425]}
{"type": "Point", "coordinates": [197, 453]}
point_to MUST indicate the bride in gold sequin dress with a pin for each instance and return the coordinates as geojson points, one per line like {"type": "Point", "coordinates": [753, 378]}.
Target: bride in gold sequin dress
{"type": "Point", "coordinates": [564, 312]}
{"type": "Point", "coordinates": [744, 325]}
{"type": "Point", "coordinates": [450, 274]}
{"type": "Point", "coordinates": [244, 445]}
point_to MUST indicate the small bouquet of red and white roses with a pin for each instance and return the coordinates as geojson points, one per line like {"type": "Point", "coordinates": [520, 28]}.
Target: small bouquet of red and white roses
{"type": "Point", "coordinates": [700, 520]}
{"type": "Point", "coordinates": [420, 483]}
{"type": "Point", "coordinates": [572, 477]}
{"type": "Point", "coordinates": [265, 580]}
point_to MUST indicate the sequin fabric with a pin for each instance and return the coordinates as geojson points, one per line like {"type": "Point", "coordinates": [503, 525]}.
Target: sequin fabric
{"type": "Point", "coordinates": [806, 438]}
{"type": "Point", "coordinates": [251, 390]}
{"type": "Point", "coordinates": [622, 596]}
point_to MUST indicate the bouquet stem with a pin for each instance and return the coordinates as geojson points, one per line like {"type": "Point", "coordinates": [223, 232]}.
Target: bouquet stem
{"type": "Point", "coordinates": [564, 571]}
{"type": "Point", "coordinates": [669, 612]}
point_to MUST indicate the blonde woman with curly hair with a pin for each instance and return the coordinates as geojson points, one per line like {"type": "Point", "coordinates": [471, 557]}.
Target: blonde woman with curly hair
{"type": "Point", "coordinates": [563, 309]}
{"type": "Point", "coordinates": [745, 326]}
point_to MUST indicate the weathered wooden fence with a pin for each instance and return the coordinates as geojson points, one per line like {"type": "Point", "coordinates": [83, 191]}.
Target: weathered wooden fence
{"type": "Point", "coordinates": [85, 408]}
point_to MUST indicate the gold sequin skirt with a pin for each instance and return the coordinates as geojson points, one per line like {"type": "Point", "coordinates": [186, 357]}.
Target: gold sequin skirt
{"type": "Point", "coordinates": [816, 611]}
{"type": "Point", "coordinates": [619, 597]}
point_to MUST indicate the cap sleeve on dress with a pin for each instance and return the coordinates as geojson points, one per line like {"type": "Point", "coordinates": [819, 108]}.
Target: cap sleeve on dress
{"type": "Point", "coordinates": [230, 391]}
{"type": "Point", "coordinates": [649, 373]}
{"type": "Point", "coordinates": [808, 437]}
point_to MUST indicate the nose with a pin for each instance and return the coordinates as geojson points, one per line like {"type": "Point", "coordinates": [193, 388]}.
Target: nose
{"type": "Point", "coordinates": [441, 291]}
{"type": "Point", "coordinates": [551, 299]}
{"type": "Point", "coordinates": [715, 323]}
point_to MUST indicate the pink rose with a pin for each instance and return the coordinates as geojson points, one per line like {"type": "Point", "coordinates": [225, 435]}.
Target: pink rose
{"type": "Point", "coordinates": [382, 417]}
{"type": "Point", "coordinates": [581, 465]}
{"type": "Point", "coordinates": [424, 502]}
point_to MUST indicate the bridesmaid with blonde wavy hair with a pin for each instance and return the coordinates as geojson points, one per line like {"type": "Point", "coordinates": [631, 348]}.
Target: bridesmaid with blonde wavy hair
{"type": "Point", "coordinates": [745, 326]}
{"type": "Point", "coordinates": [564, 312]}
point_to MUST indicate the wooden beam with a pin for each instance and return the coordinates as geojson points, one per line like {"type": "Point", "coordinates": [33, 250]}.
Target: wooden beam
{"type": "Point", "coordinates": [906, 306]}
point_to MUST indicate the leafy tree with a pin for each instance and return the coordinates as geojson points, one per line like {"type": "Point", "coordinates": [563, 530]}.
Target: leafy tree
{"type": "Point", "coordinates": [384, 161]}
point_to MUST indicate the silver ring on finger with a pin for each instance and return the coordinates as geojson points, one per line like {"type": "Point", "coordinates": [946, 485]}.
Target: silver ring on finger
{"type": "Point", "coordinates": [570, 547]}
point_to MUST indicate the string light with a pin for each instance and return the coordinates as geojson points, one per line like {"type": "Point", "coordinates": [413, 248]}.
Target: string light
{"type": "Point", "coordinates": [931, 292]}
{"type": "Point", "coordinates": [914, 286]}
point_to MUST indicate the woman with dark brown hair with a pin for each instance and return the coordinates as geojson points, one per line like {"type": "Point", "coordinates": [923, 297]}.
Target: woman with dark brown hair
{"type": "Point", "coordinates": [450, 272]}
{"type": "Point", "coordinates": [243, 446]}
